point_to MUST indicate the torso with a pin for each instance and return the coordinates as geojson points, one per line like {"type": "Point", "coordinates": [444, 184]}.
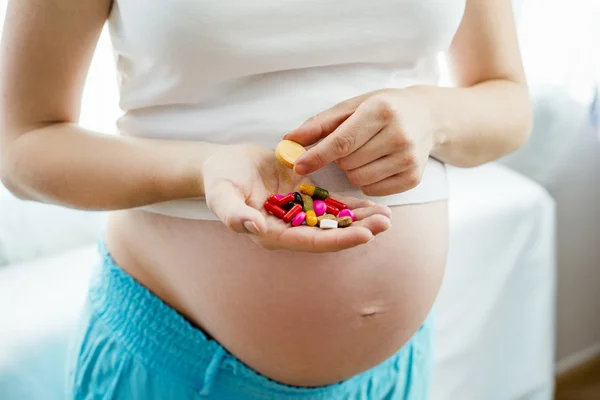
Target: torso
{"type": "Point", "coordinates": [233, 71]}
{"type": "Point", "coordinates": [302, 319]}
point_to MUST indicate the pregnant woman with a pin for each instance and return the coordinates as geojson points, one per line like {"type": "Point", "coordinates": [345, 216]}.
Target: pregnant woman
{"type": "Point", "coordinates": [199, 293]}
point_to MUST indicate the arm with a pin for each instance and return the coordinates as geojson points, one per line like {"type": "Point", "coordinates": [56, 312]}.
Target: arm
{"type": "Point", "coordinates": [383, 139]}
{"type": "Point", "coordinates": [489, 114]}
{"type": "Point", "coordinates": [46, 50]}
{"type": "Point", "coordinates": [47, 46]}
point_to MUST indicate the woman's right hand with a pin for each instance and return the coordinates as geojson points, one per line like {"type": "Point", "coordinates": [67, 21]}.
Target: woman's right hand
{"type": "Point", "coordinates": [238, 179]}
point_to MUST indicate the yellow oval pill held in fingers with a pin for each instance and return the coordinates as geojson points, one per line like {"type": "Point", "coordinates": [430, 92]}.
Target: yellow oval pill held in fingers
{"type": "Point", "coordinates": [287, 152]}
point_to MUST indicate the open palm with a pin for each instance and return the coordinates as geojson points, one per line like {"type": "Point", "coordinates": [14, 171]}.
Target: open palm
{"type": "Point", "coordinates": [238, 179]}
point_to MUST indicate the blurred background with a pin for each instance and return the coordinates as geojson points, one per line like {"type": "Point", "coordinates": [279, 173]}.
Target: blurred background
{"type": "Point", "coordinates": [519, 307]}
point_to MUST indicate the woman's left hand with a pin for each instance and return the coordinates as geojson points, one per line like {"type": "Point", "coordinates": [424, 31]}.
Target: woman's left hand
{"type": "Point", "coordinates": [382, 140]}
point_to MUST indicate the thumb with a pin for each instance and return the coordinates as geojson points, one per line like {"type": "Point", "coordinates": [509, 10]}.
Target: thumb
{"type": "Point", "coordinates": [228, 204]}
{"type": "Point", "coordinates": [324, 123]}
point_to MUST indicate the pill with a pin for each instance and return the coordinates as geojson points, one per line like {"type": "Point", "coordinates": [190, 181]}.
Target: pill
{"type": "Point", "coordinates": [307, 189]}
{"type": "Point", "coordinates": [332, 210]}
{"type": "Point", "coordinates": [336, 203]}
{"type": "Point", "coordinates": [320, 207]}
{"type": "Point", "coordinates": [274, 209]}
{"type": "Point", "coordinates": [298, 199]}
{"type": "Point", "coordinates": [297, 208]}
{"type": "Point", "coordinates": [315, 192]}
{"type": "Point", "coordinates": [299, 218]}
{"type": "Point", "coordinates": [346, 213]}
{"type": "Point", "coordinates": [308, 203]}
{"type": "Point", "coordinates": [285, 200]}
{"type": "Point", "coordinates": [311, 218]}
{"type": "Point", "coordinates": [287, 152]}
{"type": "Point", "coordinates": [326, 216]}
{"type": "Point", "coordinates": [328, 224]}
{"type": "Point", "coordinates": [274, 198]}
{"type": "Point", "coordinates": [344, 222]}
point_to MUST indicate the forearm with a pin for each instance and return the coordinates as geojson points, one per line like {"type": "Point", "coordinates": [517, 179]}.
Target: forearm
{"type": "Point", "coordinates": [478, 124]}
{"type": "Point", "coordinates": [67, 165]}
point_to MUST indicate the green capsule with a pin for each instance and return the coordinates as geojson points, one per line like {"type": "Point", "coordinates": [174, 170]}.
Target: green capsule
{"type": "Point", "coordinates": [308, 203]}
{"type": "Point", "coordinates": [317, 193]}
{"type": "Point", "coordinates": [320, 194]}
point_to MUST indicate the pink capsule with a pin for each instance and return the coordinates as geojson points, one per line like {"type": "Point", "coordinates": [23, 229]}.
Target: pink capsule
{"type": "Point", "coordinates": [299, 218]}
{"type": "Point", "coordinates": [346, 213]}
{"type": "Point", "coordinates": [320, 207]}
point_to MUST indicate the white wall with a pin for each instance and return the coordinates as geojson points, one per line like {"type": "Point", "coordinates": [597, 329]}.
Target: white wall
{"type": "Point", "coordinates": [577, 193]}
{"type": "Point", "coordinates": [560, 42]}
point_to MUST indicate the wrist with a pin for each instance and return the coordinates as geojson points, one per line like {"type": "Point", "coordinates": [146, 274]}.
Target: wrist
{"type": "Point", "coordinates": [427, 98]}
{"type": "Point", "coordinates": [191, 167]}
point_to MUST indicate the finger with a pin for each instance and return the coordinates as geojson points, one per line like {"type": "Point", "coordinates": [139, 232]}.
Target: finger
{"type": "Point", "coordinates": [354, 132]}
{"type": "Point", "coordinates": [398, 183]}
{"type": "Point", "coordinates": [324, 123]}
{"type": "Point", "coordinates": [370, 221]}
{"type": "Point", "coordinates": [375, 171]}
{"type": "Point", "coordinates": [375, 223]}
{"type": "Point", "coordinates": [352, 202]}
{"type": "Point", "coordinates": [227, 203]}
{"type": "Point", "coordinates": [378, 146]}
{"type": "Point", "coordinates": [379, 209]}
{"type": "Point", "coordinates": [321, 241]}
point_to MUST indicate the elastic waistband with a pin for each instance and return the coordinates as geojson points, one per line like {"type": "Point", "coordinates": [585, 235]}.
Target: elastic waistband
{"type": "Point", "coordinates": [146, 326]}
{"type": "Point", "coordinates": [163, 340]}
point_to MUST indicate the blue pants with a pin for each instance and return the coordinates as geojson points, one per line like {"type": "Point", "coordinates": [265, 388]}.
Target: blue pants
{"type": "Point", "coordinates": [131, 345]}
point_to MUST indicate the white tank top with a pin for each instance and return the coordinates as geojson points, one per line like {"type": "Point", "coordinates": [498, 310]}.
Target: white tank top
{"type": "Point", "coordinates": [232, 71]}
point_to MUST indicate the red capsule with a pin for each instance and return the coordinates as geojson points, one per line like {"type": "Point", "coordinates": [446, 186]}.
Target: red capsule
{"type": "Point", "coordinates": [292, 213]}
{"type": "Point", "coordinates": [275, 210]}
{"type": "Point", "coordinates": [332, 210]}
{"type": "Point", "coordinates": [285, 200]}
{"type": "Point", "coordinates": [336, 203]}
{"type": "Point", "coordinates": [274, 198]}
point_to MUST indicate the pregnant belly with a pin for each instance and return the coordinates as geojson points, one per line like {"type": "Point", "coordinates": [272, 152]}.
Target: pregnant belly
{"type": "Point", "coordinates": [301, 319]}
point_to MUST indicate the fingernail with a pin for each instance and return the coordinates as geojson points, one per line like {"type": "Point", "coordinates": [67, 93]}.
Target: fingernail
{"type": "Point", "coordinates": [370, 240]}
{"type": "Point", "coordinates": [251, 227]}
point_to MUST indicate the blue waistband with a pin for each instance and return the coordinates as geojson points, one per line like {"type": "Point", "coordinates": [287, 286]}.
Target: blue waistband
{"type": "Point", "coordinates": [146, 326]}
{"type": "Point", "coordinates": [163, 340]}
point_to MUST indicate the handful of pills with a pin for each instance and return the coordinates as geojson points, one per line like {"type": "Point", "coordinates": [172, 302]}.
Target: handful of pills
{"type": "Point", "coordinates": [310, 206]}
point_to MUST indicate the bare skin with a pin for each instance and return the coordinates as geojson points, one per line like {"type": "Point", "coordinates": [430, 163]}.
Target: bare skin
{"type": "Point", "coordinates": [299, 318]}
{"type": "Point", "coordinates": [328, 313]}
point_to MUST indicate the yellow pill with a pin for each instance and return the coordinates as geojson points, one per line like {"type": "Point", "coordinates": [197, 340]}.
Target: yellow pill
{"type": "Point", "coordinates": [287, 152]}
{"type": "Point", "coordinates": [311, 218]}
{"type": "Point", "coordinates": [307, 189]}
{"type": "Point", "coordinates": [317, 193]}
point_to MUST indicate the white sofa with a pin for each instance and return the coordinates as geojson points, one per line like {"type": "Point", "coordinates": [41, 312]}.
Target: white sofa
{"type": "Point", "coordinates": [495, 311]}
